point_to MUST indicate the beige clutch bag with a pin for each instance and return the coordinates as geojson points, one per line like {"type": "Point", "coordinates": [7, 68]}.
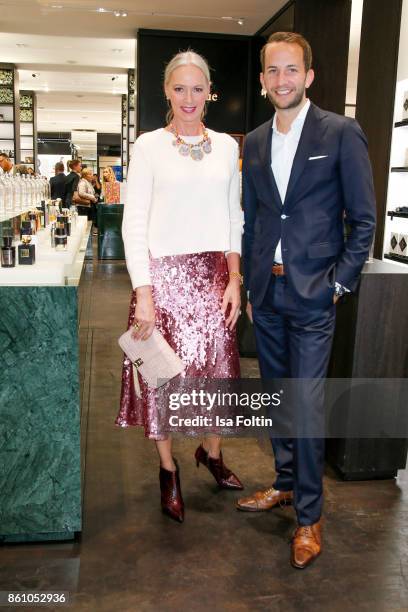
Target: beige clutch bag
{"type": "Point", "coordinates": [153, 358]}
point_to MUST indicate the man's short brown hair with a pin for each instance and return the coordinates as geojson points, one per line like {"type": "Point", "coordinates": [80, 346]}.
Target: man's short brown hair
{"type": "Point", "coordinates": [72, 163]}
{"type": "Point", "coordinates": [294, 39]}
{"type": "Point", "coordinates": [59, 167]}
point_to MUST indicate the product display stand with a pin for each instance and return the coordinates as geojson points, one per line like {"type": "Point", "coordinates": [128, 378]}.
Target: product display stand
{"type": "Point", "coordinates": [370, 342]}
{"type": "Point", "coordinates": [40, 477]}
{"type": "Point", "coordinates": [110, 243]}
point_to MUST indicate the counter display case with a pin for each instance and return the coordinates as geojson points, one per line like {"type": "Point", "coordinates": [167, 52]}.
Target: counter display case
{"type": "Point", "coordinates": [40, 475]}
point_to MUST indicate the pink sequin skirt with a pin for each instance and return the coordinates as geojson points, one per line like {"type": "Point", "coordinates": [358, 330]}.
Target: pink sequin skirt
{"type": "Point", "coordinates": [187, 293]}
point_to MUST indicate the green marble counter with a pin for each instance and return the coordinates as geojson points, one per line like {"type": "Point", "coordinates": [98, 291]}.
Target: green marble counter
{"type": "Point", "coordinates": [40, 461]}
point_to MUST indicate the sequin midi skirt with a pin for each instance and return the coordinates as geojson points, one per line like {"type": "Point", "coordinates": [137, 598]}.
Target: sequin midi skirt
{"type": "Point", "coordinates": [187, 293]}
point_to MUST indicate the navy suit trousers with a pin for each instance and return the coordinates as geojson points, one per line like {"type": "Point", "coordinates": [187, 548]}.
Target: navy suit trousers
{"type": "Point", "coordinates": [294, 342]}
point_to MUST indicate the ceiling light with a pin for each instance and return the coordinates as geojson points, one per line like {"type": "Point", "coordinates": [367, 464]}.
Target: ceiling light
{"type": "Point", "coordinates": [101, 10]}
{"type": "Point", "coordinates": [124, 14]}
{"type": "Point", "coordinates": [56, 6]}
{"type": "Point", "coordinates": [120, 13]}
{"type": "Point", "coordinates": [240, 22]}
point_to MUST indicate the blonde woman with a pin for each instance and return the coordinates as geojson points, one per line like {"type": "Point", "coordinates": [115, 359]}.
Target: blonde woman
{"type": "Point", "coordinates": [182, 230]}
{"type": "Point", "coordinates": [87, 194]}
{"type": "Point", "coordinates": [108, 179]}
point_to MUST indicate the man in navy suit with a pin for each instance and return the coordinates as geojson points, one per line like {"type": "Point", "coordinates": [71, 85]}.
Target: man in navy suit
{"type": "Point", "coordinates": [303, 172]}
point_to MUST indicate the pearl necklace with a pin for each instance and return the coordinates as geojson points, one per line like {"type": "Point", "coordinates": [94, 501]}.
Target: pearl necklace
{"type": "Point", "coordinates": [195, 151]}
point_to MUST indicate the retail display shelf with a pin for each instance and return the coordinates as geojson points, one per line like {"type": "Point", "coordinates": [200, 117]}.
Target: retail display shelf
{"type": "Point", "coordinates": [400, 169]}
{"type": "Point", "coordinates": [52, 268]}
{"type": "Point", "coordinates": [12, 214]}
{"type": "Point", "coordinates": [403, 123]}
{"type": "Point", "coordinates": [7, 122]}
{"type": "Point", "coordinates": [399, 258]}
{"type": "Point", "coordinates": [401, 215]}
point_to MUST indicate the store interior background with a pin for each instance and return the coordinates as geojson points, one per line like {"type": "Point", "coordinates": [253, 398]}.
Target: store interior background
{"type": "Point", "coordinates": [97, 88]}
{"type": "Point", "coordinates": [96, 75]}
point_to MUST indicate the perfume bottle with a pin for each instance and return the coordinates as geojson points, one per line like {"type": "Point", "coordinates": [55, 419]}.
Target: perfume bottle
{"type": "Point", "coordinates": [26, 252]}
{"type": "Point", "coordinates": [25, 229]}
{"type": "Point", "coordinates": [33, 220]}
{"type": "Point", "coordinates": [52, 234]}
{"type": "Point", "coordinates": [8, 253]}
{"type": "Point", "coordinates": [60, 239]}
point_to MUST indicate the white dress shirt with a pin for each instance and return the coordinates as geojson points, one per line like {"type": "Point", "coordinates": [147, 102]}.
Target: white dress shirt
{"type": "Point", "coordinates": [175, 205]}
{"type": "Point", "coordinates": [284, 147]}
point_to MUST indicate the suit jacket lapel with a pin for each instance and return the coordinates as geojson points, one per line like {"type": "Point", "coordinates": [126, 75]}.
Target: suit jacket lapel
{"type": "Point", "coordinates": [265, 152]}
{"type": "Point", "coordinates": [309, 141]}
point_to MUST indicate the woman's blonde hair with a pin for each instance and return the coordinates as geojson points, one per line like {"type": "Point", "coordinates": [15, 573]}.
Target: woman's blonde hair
{"type": "Point", "coordinates": [86, 171]}
{"type": "Point", "coordinates": [185, 58]}
{"type": "Point", "coordinates": [112, 176]}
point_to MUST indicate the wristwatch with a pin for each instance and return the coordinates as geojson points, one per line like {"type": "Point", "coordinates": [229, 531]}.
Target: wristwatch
{"type": "Point", "coordinates": [339, 290]}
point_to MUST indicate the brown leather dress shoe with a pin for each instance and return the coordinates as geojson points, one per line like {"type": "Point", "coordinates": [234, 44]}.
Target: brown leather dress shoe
{"type": "Point", "coordinates": [265, 500]}
{"type": "Point", "coordinates": [306, 545]}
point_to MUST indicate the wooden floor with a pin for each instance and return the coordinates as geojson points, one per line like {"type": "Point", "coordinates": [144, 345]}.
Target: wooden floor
{"type": "Point", "coordinates": [132, 558]}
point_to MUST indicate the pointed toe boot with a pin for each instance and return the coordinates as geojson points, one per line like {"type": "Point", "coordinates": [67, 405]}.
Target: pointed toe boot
{"type": "Point", "coordinates": [171, 499]}
{"type": "Point", "coordinates": [223, 476]}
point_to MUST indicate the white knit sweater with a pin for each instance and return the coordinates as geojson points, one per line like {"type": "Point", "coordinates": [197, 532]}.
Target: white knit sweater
{"type": "Point", "coordinates": [175, 205]}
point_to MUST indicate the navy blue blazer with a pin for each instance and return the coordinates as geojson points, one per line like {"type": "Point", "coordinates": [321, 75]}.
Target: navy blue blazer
{"type": "Point", "coordinates": [310, 220]}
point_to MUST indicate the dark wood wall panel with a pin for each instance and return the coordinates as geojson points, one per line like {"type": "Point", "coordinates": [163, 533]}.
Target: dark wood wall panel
{"type": "Point", "coordinates": [326, 25]}
{"type": "Point", "coordinates": [228, 57]}
{"type": "Point", "coordinates": [376, 93]}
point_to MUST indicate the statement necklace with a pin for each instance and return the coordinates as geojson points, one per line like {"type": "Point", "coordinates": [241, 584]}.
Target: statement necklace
{"type": "Point", "coordinates": [197, 150]}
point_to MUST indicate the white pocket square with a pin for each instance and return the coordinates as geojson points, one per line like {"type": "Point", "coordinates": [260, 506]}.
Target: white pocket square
{"type": "Point", "coordinates": [318, 157]}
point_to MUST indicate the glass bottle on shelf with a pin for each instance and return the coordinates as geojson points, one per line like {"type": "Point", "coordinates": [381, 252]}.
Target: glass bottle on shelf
{"type": "Point", "coordinates": [17, 194]}
{"type": "Point", "coordinates": [8, 195]}
{"type": "Point", "coordinates": [23, 192]}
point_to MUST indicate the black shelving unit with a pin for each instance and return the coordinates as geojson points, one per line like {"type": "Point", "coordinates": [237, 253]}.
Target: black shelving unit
{"type": "Point", "coordinates": [28, 128]}
{"type": "Point", "coordinates": [394, 257]}
{"type": "Point", "coordinates": [401, 123]}
{"type": "Point", "coordinates": [10, 109]}
{"type": "Point", "coordinates": [131, 115]}
{"type": "Point", "coordinates": [402, 215]}
{"type": "Point", "coordinates": [400, 169]}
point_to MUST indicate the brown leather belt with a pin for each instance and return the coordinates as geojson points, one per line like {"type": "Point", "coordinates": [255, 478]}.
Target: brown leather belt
{"type": "Point", "coordinates": [278, 270]}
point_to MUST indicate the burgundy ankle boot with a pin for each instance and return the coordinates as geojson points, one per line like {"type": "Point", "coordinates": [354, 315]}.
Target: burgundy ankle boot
{"type": "Point", "coordinates": [224, 477]}
{"type": "Point", "coordinates": [171, 500]}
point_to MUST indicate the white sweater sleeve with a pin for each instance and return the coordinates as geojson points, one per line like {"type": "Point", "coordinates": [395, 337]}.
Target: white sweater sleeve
{"type": "Point", "coordinates": [235, 210]}
{"type": "Point", "coordinates": [136, 216]}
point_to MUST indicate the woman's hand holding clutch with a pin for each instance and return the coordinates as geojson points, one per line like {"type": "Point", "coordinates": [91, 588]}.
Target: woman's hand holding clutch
{"type": "Point", "coordinates": [232, 296]}
{"type": "Point", "coordinates": [144, 313]}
